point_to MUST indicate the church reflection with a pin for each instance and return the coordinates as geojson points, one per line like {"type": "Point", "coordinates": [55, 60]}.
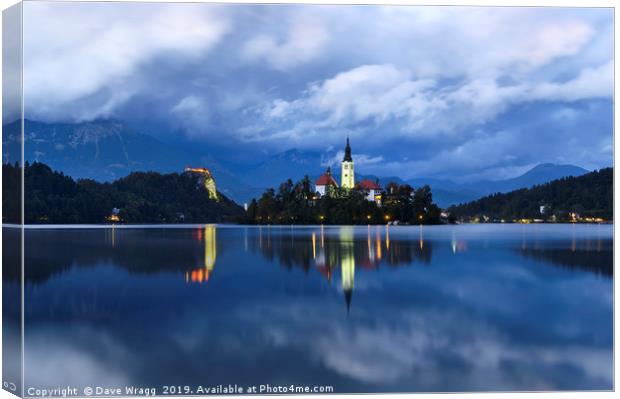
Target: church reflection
{"type": "Point", "coordinates": [346, 247]}
{"type": "Point", "coordinates": [326, 259]}
{"type": "Point", "coordinates": [208, 236]}
{"type": "Point", "coordinates": [347, 266]}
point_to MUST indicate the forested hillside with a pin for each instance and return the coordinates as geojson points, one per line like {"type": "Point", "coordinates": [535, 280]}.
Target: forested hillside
{"type": "Point", "coordinates": [587, 196]}
{"type": "Point", "coordinates": [141, 197]}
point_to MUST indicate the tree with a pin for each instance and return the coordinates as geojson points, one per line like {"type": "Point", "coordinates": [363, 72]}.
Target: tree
{"type": "Point", "coordinates": [589, 195]}
{"type": "Point", "coordinates": [141, 197]}
{"type": "Point", "coordinates": [341, 206]}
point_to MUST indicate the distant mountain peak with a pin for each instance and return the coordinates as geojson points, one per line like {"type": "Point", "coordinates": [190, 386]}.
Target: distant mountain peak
{"type": "Point", "coordinates": [558, 169]}
{"type": "Point", "coordinates": [547, 165]}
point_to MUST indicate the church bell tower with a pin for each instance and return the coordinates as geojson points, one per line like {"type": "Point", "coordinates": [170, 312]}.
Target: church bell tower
{"type": "Point", "coordinates": [347, 177]}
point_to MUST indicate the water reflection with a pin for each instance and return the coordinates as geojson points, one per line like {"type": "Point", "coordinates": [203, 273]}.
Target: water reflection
{"type": "Point", "coordinates": [313, 248]}
{"type": "Point", "coordinates": [340, 247]}
{"type": "Point", "coordinates": [595, 260]}
{"type": "Point", "coordinates": [296, 249]}
{"type": "Point", "coordinates": [434, 309]}
{"type": "Point", "coordinates": [207, 236]}
{"type": "Point", "coordinates": [347, 265]}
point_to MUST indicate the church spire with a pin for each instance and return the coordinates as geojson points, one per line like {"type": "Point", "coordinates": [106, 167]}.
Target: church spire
{"type": "Point", "coordinates": [347, 152]}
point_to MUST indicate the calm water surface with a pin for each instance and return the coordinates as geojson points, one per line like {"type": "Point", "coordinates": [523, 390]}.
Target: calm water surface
{"type": "Point", "coordinates": [364, 309]}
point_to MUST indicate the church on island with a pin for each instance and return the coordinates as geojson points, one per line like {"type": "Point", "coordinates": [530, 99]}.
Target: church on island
{"type": "Point", "coordinates": [327, 185]}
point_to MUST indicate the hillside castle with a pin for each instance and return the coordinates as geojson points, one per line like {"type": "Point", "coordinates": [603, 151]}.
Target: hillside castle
{"type": "Point", "coordinates": [327, 185]}
{"type": "Point", "coordinates": [205, 179]}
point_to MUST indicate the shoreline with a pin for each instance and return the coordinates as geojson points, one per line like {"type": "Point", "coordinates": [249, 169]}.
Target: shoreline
{"type": "Point", "coordinates": [230, 225]}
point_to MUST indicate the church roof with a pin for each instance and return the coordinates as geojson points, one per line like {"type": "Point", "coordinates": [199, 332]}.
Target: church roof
{"type": "Point", "coordinates": [367, 184]}
{"type": "Point", "coordinates": [326, 179]}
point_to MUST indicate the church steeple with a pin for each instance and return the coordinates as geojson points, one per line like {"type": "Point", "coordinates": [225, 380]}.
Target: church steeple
{"type": "Point", "coordinates": [347, 177]}
{"type": "Point", "coordinates": [347, 152]}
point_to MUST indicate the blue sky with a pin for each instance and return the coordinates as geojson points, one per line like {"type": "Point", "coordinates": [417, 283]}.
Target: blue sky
{"type": "Point", "coordinates": [458, 92]}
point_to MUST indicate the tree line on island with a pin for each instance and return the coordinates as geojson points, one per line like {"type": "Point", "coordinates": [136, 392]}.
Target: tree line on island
{"type": "Point", "coordinates": [298, 203]}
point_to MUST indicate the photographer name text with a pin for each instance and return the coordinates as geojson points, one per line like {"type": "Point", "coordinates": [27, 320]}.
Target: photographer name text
{"type": "Point", "coordinates": [103, 391]}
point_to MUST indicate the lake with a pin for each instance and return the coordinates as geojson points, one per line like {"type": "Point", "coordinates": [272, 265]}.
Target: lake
{"type": "Point", "coordinates": [362, 309]}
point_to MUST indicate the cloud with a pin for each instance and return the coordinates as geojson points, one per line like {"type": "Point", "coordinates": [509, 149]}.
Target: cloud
{"type": "Point", "coordinates": [594, 82]}
{"type": "Point", "coordinates": [368, 92]}
{"type": "Point", "coordinates": [11, 64]}
{"type": "Point", "coordinates": [189, 104]}
{"type": "Point", "coordinates": [305, 40]}
{"type": "Point", "coordinates": [102, 47]}
{"type": "Point", "coordinates": [406, 83]}
{"type": "Point", "coordinates": [360, 159]}
{"type": "Point", "coordinates": [440, 72]}
{"type": "Point", "coordinates": [453, 41]}
{"type": "Point", "coordinates": [374, 93]}
{"type": "Point", "coordinates": [486, 152]}
{"type": "Point", "coordinates": [193, 113]}
{"type": "Point", "coordinates": [379, 93]}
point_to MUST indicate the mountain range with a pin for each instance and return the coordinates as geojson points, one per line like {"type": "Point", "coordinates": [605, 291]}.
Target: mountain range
{"type": "Point", "coordinates": [447, 192]}
{"type": "Point", "coordinates": [107, 150]}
